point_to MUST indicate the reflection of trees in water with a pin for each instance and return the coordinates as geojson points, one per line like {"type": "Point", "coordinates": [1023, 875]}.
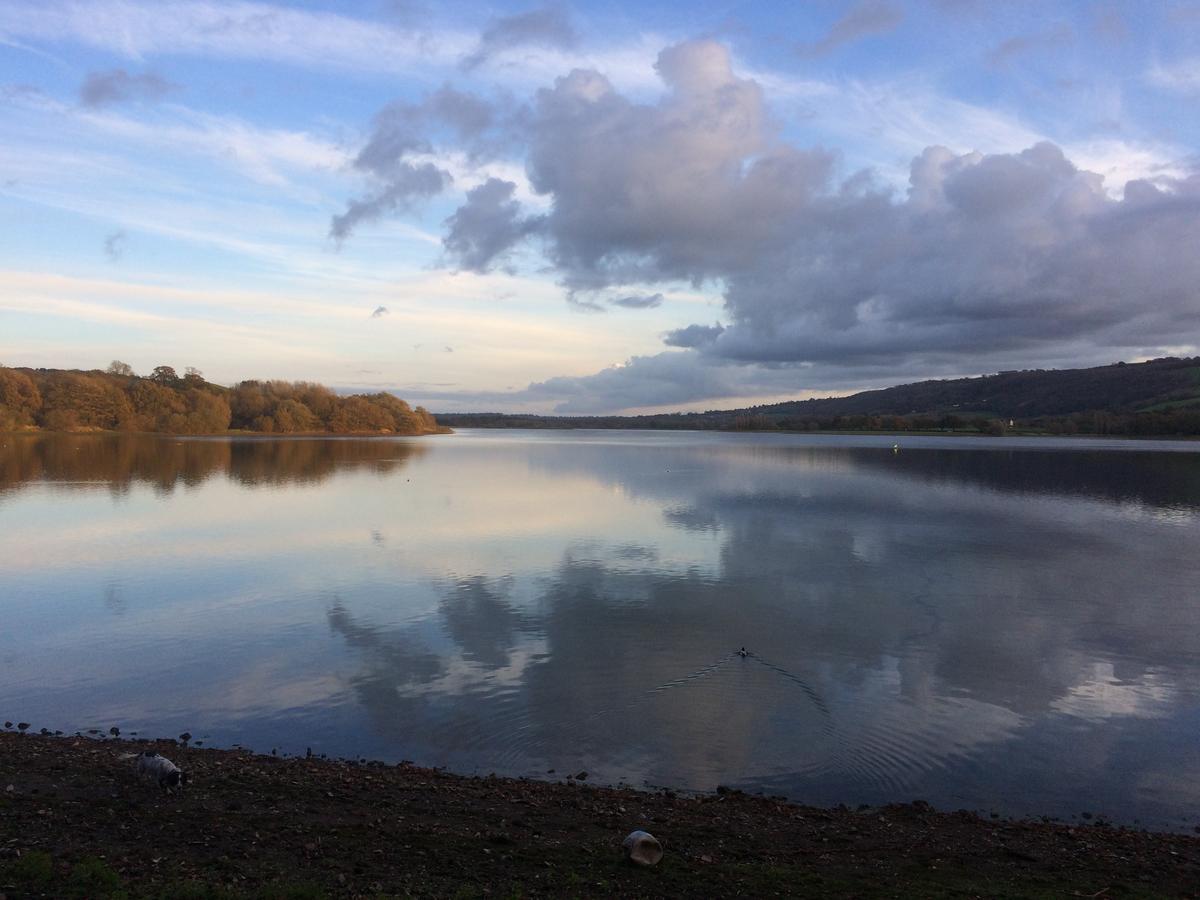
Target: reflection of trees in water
{"type": "Point", "coordinates": [1169, 479]}
{"type": "Point", "coordinates": [119, 461]}
{"type": "Point", "coordinates": [1162, 479]}
{"type": "Point", "coordinates": [269, 461]}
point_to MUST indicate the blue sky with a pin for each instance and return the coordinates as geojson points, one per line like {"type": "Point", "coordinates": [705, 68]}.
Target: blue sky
{"type": "Point", "coordinates": [593, 209]}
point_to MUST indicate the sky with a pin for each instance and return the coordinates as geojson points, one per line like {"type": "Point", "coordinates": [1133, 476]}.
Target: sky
{"type": "Point", "coordinates": [600, 208]}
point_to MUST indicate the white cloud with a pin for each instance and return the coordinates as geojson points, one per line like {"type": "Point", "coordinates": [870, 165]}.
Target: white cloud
{"type": "Point", "coordinates": [1182, 77]}
{"type": "Point", "coordinates": [255, 31]}
{"type": "Point", "coordinates": [263, 32]}
{"type": "Point", "coordinates": [267, 155]}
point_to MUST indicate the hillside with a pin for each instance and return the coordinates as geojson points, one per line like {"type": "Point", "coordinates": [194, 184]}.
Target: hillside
{"type": "Point", "coordinates": [1161, 396]}
{"type": "Point", "coordinates": [1118, 388]}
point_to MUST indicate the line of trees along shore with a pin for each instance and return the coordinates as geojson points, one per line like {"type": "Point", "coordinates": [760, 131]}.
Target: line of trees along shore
{"type": "Point", "coordinates": [117, 399]}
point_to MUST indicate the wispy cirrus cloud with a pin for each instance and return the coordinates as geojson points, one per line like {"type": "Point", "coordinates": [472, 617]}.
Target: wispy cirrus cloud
{"type": "Point", "coordinates": [260, 32]}
{"type": "Point", "coordinates": [246, 30]}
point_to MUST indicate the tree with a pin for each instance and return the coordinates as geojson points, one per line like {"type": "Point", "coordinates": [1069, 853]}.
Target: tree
{"type": "Point", "coordinates": [164, 375]}
{"type": "Point", "coordinates": [292, 416]}
{"type": "Point", "coordinates": [20, 400]}
{"type": "Point", "coordinates": [75, 400]}
{"type": "Point", "coordinates": [122, 369]}
{"type": "Point", "coordinates": [358, 414]}
{"type": "Point", "coordinates": [154, 406]}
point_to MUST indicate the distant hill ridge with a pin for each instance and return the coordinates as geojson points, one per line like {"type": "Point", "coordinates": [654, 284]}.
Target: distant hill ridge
{"type": "Point", "coordinates": [1028, 393]}
{"type": "Point", "coordinates": [1161, 396]}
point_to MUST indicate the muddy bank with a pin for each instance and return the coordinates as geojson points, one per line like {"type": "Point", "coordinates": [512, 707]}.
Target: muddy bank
{"type": "Point", "coordinates": [74, 821]}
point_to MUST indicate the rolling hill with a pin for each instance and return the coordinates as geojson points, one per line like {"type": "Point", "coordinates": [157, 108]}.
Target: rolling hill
{"type": "Point", "coordinates": [1161, 396]}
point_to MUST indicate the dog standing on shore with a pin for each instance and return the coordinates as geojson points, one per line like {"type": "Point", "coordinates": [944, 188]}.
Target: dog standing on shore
{"type": "Point", "coordinates": [168, 775]}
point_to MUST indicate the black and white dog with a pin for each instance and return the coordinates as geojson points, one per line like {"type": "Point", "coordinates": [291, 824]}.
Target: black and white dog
{"type": "Point", "coordinates": [168, 775]}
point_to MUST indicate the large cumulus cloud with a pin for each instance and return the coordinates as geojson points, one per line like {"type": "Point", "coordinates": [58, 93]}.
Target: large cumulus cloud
{"type": "Point", "coordinates": [1009, 257]}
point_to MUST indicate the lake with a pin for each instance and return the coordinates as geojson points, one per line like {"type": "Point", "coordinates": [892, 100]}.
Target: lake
{"type": "Point", "coordinates": [1005, 625]}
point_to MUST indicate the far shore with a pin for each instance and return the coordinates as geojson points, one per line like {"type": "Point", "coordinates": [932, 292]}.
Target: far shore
{"type": "Point", "coordinates": [75, 821]}
{"type": "Point", "coordinates": [232, 432]}
{"type": "Point", "coordinates": [969, 435]}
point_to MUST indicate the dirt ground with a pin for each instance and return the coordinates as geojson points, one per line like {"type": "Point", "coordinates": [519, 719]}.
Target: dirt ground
{"type": "Point", "coordinates": [75, 822]}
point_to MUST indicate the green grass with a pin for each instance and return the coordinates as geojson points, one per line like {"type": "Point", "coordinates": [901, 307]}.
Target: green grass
{"type": "Point", "coordinates": [1171, 404]}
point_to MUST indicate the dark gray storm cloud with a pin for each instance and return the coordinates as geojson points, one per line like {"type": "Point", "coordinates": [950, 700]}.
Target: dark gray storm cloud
{"type": "Point", "coordinates": [118, 86]}
{"type": "Point", "coordinates": [550, 27]}
{"type": "Point", "coordinates": [865, 19]}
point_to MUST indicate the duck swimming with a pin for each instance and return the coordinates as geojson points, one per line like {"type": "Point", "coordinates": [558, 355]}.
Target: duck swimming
{"type": "Point", "coordinates": [743, 653]}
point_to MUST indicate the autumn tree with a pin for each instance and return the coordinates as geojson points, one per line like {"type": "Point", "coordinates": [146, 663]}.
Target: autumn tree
{"type": "Point", "coordinates": [154, 406]}
{"type": "Point", "coordinates": [20, 400]}
{"type": "Point", "coordinates": [292, 416]}
{"type": "Point", "coordinates": [73, 400]}
{"type": "Point", "coordinates": [357, 414]}
{"type": "Point", "coordinates": [164, 375]}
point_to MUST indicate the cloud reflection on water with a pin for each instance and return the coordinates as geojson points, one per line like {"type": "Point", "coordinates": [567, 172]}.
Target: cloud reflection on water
{"type": "Point", "coordinates": [941, 610]}
{"type": "Point", "coordinates": [982, 626]}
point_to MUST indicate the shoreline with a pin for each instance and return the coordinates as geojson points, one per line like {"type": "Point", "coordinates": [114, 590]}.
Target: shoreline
{"type": "Point", "coordinates": [75, 821]}
{"type": "Point", "coordinates": [363, 435]}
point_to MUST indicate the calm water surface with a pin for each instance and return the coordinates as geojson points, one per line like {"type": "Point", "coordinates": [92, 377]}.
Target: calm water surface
{"type": "Point", "coordinates": [1007, 625]}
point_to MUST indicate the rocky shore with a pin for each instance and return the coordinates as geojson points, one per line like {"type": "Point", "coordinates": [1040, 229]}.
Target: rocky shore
{"type": "Point", "coordinates": [75, 822]}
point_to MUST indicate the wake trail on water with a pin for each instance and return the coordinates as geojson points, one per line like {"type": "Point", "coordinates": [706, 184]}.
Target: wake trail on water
{"type": "Point", "coordinates": [808, 689]}
{"type": "Point", "coordinates": [515, 746]}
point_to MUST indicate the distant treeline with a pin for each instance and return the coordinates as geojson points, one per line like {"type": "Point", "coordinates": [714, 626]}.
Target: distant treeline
{"type": "Point", "coordinates": [1174, 422]}
{"type": "Point", "coordinates": [1158, 397]}
{"type": "Point", "coordinates": [119, 400]}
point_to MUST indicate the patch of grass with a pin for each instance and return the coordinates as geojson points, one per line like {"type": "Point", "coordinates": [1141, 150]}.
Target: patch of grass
{"type": "Point", "coordinates": [1171, 404]}
{"type": "Point", "coordinates": [33, 869]}
{"type": "Point", "coordinates": [92, 877]}
{"type": "Point", "coordinates": [289, 892]}
{"type": "Point", "coordinates": [197, 890]}
{"type": "Point", "coordinates": [192, 890]}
